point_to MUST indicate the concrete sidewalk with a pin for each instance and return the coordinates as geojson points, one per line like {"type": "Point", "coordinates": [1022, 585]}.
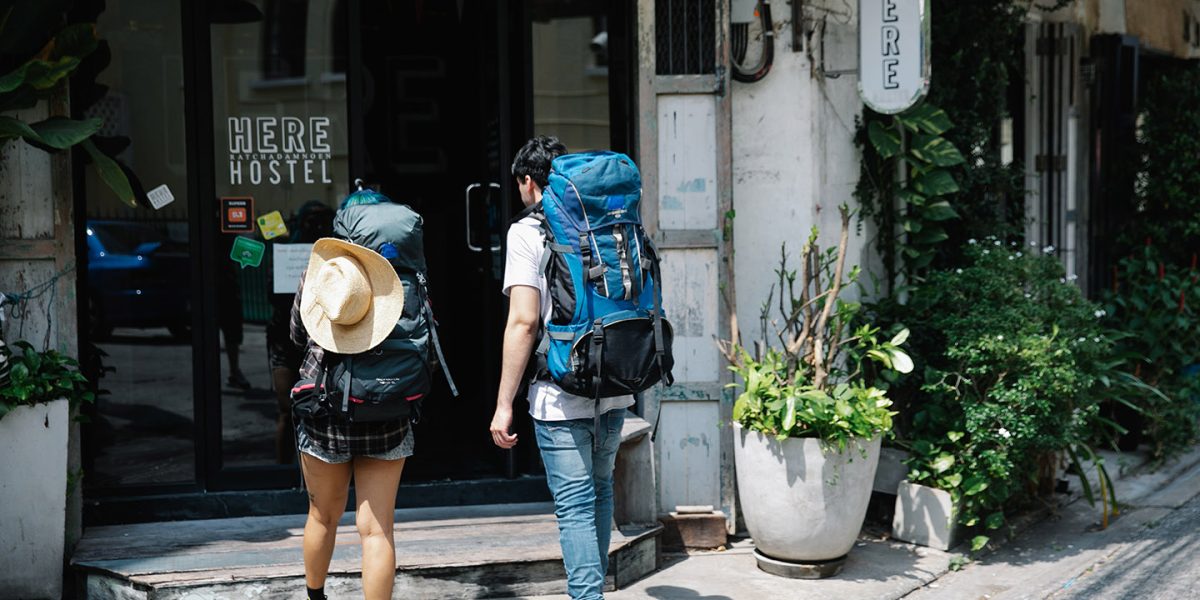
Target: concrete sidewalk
{"type": "Point", "coordinates": [1054, 550]}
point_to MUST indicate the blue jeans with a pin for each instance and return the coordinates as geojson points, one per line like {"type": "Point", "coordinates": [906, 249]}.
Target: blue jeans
{"type": "Point", "coordinates": [579, 463]}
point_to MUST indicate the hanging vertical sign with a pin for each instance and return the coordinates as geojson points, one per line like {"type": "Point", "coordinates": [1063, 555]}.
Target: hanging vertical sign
{"type": "Point", "coordinates": [893, 53]}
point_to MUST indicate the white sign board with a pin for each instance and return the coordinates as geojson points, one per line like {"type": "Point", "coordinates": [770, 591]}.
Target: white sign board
{"type": "Point", "coordinates": [893, 53]}
{"type": "Point", "coordinates": [290, 262]}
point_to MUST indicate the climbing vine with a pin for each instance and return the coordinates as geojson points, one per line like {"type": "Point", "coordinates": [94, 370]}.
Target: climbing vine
{"type": "Point", "coordinates": [976, 55]}
{"type": "Point", "coordinates": [911, 213]}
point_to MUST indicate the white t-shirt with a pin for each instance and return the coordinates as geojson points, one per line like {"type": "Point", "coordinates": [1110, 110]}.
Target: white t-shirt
{"type": "Point", "coordinates": [547, 401]}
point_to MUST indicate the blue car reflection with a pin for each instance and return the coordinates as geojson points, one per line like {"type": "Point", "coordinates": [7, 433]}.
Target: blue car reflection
{"type": "Point", "coordinates": [137, 277]}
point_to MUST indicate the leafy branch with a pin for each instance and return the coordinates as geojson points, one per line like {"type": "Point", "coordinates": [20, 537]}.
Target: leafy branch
{"type": "Point", "coordinates": [42, 76]}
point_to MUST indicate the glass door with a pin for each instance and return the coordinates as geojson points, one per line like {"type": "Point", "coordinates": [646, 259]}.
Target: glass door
{"type": "Point", "coordinates": [437, 112]}
{"type": "Point", "coordinates": [281, 166]}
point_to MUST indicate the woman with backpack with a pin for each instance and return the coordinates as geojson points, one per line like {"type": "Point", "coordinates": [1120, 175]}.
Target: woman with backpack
{"type": "Point", "coordinates": [360, 300]}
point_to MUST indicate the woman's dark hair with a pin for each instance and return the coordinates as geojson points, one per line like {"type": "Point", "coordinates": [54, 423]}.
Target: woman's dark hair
{"type": "Point", "coordinates": [533, 159]}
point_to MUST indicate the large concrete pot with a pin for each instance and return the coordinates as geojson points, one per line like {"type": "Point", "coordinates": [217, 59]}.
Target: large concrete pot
{"type": "Point", "coordinates": [33, 500]}
{"type": "Point", "coordinates": [802, 503]}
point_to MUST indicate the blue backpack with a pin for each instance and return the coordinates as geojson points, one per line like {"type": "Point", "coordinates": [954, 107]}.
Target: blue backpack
{"type": "Point", "coordinates": [607, 335]}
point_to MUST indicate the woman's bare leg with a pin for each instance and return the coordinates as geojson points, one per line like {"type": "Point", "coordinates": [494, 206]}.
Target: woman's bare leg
{"type": "Point", "coordinates": [328, 486]}
{"type": "Point", "coordinates": [375, 484]}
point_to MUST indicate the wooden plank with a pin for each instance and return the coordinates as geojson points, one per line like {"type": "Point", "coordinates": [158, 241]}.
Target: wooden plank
{"type": "Point", "coordinates": [687, 178]}
{"type": "Point", "coordinates": [39, 317]}
{"type": "Point", "coordinates": [689, 84]}
{"type": "Point", "coordinates": [26, 209]}
{"type": "Point", "coordinates": [686, 238]}
{"type": "Point", "coordinates": [23, 249]}
{"type": "Point", "coordinates": [689, 391]}
{"type": "Point", "coordinates": [647, 111]}
{"type": "Point", "coordinates": [727, 292]}
{"type": "Point", "coordinates": [689, 438]}
{"type": "Point", "coordinates": [690, 303]}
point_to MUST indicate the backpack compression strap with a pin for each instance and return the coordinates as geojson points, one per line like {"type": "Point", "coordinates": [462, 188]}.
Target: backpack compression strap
{"type": "Point", "coordinates": [427, 308]}
{"type": "Point", "coordinates": [657, 314]}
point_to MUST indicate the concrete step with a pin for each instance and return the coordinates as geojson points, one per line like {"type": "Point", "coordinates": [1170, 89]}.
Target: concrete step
{"type": "Point", "coordinates": [484, 551]}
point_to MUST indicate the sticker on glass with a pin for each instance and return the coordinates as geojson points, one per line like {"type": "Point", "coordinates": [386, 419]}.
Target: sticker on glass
{"type": "Point", "coordinates": [160, 196]}
{"type": "Point", "coordinates": [247, 252]}
{"type": "Point", "coordinates": [272, 225]}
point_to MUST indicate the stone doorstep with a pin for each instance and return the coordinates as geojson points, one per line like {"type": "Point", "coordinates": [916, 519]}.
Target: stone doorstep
{"type": "Point", "coordinates": [461, 552]}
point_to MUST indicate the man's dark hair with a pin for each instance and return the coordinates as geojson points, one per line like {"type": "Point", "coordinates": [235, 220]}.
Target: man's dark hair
{"type": "Point", "coordinates": [533, 159]}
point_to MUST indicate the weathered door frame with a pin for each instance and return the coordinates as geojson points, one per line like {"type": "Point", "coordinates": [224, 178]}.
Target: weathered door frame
{"type": "Point", "coordinates": [719, 238]}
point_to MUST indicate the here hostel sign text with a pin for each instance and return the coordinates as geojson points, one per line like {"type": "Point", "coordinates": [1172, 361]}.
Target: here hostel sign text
{"type": "Point", "coordinates": [893, 53]}
{"type": "Point", "coordinates": [279, 150]}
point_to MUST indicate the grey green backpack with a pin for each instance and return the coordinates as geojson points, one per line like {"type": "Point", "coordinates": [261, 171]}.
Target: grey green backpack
{"type": "Point", "coordinates": [389, 381]}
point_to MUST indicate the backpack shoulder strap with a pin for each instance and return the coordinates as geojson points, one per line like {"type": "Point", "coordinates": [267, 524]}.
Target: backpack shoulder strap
{"type": "Point", "coordinates": [535, 210]}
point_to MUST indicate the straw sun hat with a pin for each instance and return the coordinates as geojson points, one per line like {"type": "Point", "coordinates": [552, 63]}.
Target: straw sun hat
{"type": "Point", "coordinates": [352, 297]}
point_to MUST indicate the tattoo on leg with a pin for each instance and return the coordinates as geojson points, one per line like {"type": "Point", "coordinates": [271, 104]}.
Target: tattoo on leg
{"type": "Point", "coordinates": [312, 498]}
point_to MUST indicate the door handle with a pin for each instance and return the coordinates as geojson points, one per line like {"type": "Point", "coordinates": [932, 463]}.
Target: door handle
{"type": "Point", "coordinates": [471, 188]}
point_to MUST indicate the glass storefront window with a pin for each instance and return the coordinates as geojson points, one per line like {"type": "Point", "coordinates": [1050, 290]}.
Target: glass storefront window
{"type": "Point", "coordinates": [280, 127]}
{"type": "Point", "coordinates": [570, 73]}
{"type": "Point", "coordinates": [138, 279]}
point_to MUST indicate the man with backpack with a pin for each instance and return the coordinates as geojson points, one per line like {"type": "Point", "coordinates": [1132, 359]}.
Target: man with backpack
{"type": "Point", "coordinates": [571, 287]}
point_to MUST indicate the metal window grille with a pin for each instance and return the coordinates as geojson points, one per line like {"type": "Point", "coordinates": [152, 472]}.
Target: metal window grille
{"type": "Point", "coordinates": [686, 37]}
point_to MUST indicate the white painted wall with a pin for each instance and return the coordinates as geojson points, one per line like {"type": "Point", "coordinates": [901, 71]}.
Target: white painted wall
{"type": "Point", "coordinates": [794, 159]}
{"type": "Point", "coordinates": [33, 500]}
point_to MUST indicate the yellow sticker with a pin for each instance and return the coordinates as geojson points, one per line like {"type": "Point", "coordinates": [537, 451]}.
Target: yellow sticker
{"type": "Point", "coordinates": [272, 225]}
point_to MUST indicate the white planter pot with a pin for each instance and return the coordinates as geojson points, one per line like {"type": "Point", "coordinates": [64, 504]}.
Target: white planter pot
{"type": "Point", "coordinates": [800, 503]}
{"type": "Point", "coordinates": [33, 499]}
{"type": "Point", "coordinates": [926, 516]}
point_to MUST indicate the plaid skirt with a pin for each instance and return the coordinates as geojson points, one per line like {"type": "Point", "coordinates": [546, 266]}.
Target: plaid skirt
{"type": "Point", "coordinates": [335, 441]}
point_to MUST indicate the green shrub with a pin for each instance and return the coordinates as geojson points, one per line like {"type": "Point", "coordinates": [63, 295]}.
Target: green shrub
{"type": "Point", "coordinates": [1012, 354]}
{"type": "Point", "coordinates": [1150, 301]}
{"type": "Point", "coordinates": [38, 377]}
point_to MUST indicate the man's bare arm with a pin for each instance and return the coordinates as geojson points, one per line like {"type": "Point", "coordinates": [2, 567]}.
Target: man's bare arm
{"type": "Point", "coordinates": [520, 334]}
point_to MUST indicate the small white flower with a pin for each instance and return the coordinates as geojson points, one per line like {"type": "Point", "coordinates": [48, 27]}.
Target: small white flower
{"type": "Point", "coordinates": [1062, 279]}
{"type": "Point", "coordinates": [1033, 244]}
{"type": "Point", "coordinates": [1012, 257]}
{"type": "Point", "coordinates": [996, 243]}
{"type": "Point", "coordinates": [987, 251]}
{"type": "Point", "coordinates": [1100, 313]}
{"type": "Point", "coordinates": [1048, 250]}
{"type": "Point", "coordinates": [1013, 244]}
{"type": "Point", "coordinates": [1081, 340]}
{"type": "Point", "coordinates": [1000, 337]}
{"type": "Point", "coordinates": [1004, 433]}
{"type": "Point", "coordinates": [1028, 295]}
{"type": "Point", "coordinates": [1072, 277]}
{"type": "Point", "coordinates": [972, 241]}
{"type": "Point", "coordinates": [958, 271]}
{"type": "Point", "coordinates": [1019, 254]}
{"type": "Point", "coordinates": [1096, 339]}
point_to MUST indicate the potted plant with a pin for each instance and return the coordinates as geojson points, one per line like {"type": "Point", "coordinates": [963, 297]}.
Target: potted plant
{"type": "Point", "coordinates": [38, 394]}
{"type": "Point", "coordinates": [808, 424]}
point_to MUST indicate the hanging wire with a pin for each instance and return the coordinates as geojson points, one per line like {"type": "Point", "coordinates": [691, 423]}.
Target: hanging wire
{"type": "Point", "coordinates": [19, 303]}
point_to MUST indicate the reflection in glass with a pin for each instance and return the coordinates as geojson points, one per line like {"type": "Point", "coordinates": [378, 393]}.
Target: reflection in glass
{"type": "Point", "coordinates": [570, 73]}
{"type": "Point", "coordinates": [138, 259]}
{"type": "Point", "coordinates": [280, 125]}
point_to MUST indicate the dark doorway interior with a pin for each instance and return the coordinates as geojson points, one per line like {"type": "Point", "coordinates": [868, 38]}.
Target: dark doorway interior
{"type": "Point", "coordinates": [434, 84]}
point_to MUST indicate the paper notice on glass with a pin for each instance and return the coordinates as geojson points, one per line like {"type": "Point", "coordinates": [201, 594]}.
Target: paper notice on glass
{"type": "Point", "coordinates": [290, 262]}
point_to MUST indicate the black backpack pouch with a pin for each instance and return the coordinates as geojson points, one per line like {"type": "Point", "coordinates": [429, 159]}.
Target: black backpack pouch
{"type": "Point", "coordinates": [383, 384]}
{"type": "Point", "coordinates": [306, 400]}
